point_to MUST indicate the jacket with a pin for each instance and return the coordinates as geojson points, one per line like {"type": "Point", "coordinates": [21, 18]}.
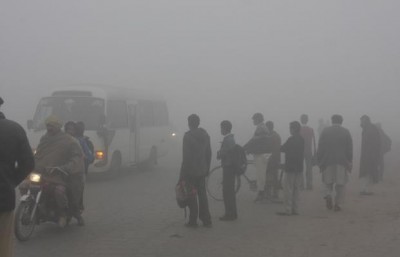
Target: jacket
{"type": "Point", "coordinates": [260, 143]}
{"type": "Point", "coordinates": [196, 150]}
{"type": "Point", "coordinates": [16, 161]}
{"type": "Point", "coordinates": [335, 147]}
{"type": "Point", "coordinates": [225, 152]}
{"type": "Point", "coordinates": [294, 154]}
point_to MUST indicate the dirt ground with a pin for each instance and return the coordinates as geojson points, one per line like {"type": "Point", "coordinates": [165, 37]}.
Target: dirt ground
{"type": "Point", "coordinates": [368, 226]}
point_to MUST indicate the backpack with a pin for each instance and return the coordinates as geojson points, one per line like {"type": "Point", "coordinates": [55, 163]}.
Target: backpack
{"type": "Point", "coordinates": [89, 155]}
{"type": "Point", "coordinates": [184, 192]}
{"type": "Point", "coordinates": [239, 159]}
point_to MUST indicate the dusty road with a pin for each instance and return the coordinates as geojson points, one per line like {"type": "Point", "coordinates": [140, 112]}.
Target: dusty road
{"type": "Point", "coordinates": [136, 215]}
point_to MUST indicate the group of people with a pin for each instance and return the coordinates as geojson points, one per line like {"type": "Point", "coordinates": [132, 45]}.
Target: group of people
{"type": "Point", "coordinates": [333, 154]}
{"type": "Point", "coordinates": [69, 151]}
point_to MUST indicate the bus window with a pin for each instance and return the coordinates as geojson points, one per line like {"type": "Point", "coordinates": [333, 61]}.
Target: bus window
{"type": "Point", "coordinates": [117, 114]}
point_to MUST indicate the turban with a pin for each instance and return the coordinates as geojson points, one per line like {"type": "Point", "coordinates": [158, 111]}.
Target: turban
{"type": "Point", "coordinates": [53, 121]}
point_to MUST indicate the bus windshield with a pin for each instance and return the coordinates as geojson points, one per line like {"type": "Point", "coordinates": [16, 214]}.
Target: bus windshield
{"type": "Point", "coordinates": [89, 110]}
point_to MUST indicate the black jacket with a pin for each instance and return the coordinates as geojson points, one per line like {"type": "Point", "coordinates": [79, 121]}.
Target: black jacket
{"type": "Point", "coordinates": [294, 153]}
{"type": "Point", "coordinates": [16, 161]}
{"type": "Point", "coordinates": [196, 159]}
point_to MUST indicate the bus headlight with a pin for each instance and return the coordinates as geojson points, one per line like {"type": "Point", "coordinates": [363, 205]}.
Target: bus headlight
{"type": "Point", "coordinates": [100, 155]}
{"type": "Point", "coordinates": [35, 177]}
{"type": "Point", "coordinates": [173, 134]}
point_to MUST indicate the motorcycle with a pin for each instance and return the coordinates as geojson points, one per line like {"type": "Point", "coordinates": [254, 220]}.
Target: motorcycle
{"type": "Point", "coordinates": [37, 204]}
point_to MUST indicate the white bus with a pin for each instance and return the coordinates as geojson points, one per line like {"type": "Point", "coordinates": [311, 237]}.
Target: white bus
{"type": "Point", "coordinates": [127, 127]}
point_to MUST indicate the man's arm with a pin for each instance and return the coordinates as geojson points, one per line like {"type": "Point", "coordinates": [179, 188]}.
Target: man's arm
{"type": "Point", "coordinates": [75, 157]}
{"type": "Point", "coordinates": [25, 161]}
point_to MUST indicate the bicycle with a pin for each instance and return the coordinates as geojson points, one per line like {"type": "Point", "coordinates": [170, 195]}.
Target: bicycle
{"type": "Point", "coordinates": [214, 181]}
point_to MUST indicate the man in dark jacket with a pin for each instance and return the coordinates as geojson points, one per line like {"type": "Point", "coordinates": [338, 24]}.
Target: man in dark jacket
{"type": "Point", "coordinates": [335, 157]}
{"type": "Point", "coordinates": [370, 155]}
{"type": "Point", "coordinates": [16, 162]}
{"type": "Point", "coordinates": [229, 175]}
{"type": "Point", "coordinates": [272, 183]}
{"type": "Point", "coordinates": [294, 157]}
{"type": "Point", "coordinates": [196, 163]}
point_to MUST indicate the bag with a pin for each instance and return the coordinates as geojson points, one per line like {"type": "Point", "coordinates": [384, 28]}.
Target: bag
{"type": "Point", "coordinates": [184, 192]}
{"type": "Point", "coordinates": [239, 160]}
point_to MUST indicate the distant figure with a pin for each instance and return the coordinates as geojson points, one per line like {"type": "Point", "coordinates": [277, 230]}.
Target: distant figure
{"type": "Point", "coordinates": [196, 163]}
{"type": "Point", "coordinates": [294, 158]}
{"type": "Point", "coordinates": [258, 147]}
{"type": "Point", "coordinates": [335, 159]}
{"type": "Point", "coordinates": [16, 162]}
{"type": "Point", "coordinates": [274, 162]}
{"type": "Point", "coordinates": [229, 175]}
{"type": "Point", "coordinates": [309, 151]}
{"type": "Point", "coordinates": [386, 146]}
{"type": "Point", "coordinates": [370, 155]}
{"type": "Point", "coordinates": [2, 116]}
{"type": "Point", "coordinates": [321, 126]}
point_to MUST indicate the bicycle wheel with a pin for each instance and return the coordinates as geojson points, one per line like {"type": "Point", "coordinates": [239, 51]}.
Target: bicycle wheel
{"type": "Point", "coordinates": [214, 184]}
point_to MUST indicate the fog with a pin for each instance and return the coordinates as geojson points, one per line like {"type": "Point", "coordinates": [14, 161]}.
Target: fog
{"type": "Point", "coordinates": [223, 59]}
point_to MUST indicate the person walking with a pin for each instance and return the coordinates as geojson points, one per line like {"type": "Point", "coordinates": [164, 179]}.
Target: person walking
{"type": "Point", "coordinates": [272, 184]}
{"type": "Point", "coordinates": [386, 146]}
{"type": "Point", "coordinates": [229, 175]}
{"type": "Point", "coordinates": [258, 146]}
{"type": "Point", "coordinates": [16, 162]}
{"type": "Point", "coordinates": [335, 158]}
{"type": "Point", "coordinates": [195, 167]}
{"type": "Point", "coordinates": [294, 157]}
{"type": "Point", "coordinates": [370, 155]}
{"type": "Point", "coordinates": [309, 151]}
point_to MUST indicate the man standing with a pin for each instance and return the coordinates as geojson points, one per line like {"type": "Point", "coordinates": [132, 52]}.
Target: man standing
{"type": "Point", "coordinates": [16, 162]}
{"type": "Point", "coordinates": [294, 158]}
{"type": "Point", "coordinates": [386, 146]}
{"type": "Point", "coordinates": [58, 149]}
{"type": "Point", "coordinates": [274, 162]}
{"type": "Point", "coordinates": [309, 151]}
{"type": "Point", "coordinates": [229, 174]}
{"type": "Point", "coordinates": [258, 146]}
{"type": "Point", "coordinates": [195, 167]}
{"type": "Point", "coordinates": [370, 155]}
{"type": "Point", "coordinates": [335, 157]}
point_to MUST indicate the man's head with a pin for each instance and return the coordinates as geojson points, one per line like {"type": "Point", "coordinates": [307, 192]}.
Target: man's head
{"type": "Point", "coordinates": [257, 118]}
{"type": "Point", "coordinates": [226, 127]}
{"type": "Point", "coordinates": [295, 128]}
{"type": "Point", "coordinates": [53, 125]}
{"type": "Point", "coordinates": [193, 121]}
{"type": "Point", "coordinates": [365, 121]}
{"type": "Point", "coordinates": [270, 125]}
{"type": "Point", "coordinates": [304, 119]}
{"type": "Point", "coordinates": [337, 119]}
{"type": "Point", "coordinates": [70, 128]}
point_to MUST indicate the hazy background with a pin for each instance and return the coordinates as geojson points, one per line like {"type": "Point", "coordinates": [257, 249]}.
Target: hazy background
{"type": "Point", "coordinates": [222, 59]}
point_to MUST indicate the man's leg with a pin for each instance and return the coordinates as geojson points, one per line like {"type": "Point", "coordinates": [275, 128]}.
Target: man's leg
{"type": "Point", "coordinates": [261, 165]}
{"type": "Point", "coordinates": [288, 187]}
{"type": "Point", "coordinates": [329, 195]}
{"type": "Point", "coordinates": [275, 184]}
{"type": "Point", "coordinates": [76, 185]}
{"type": "Point", "coordinates": [296, 193]}
{"type": "Point", "coordinates": [366, 185]}
{"type": "Point", "coordinates": [60, 195]}
{"type": "Point", "coordinates": [309, 174]}
{"type": "Point", "coordinates": [6, 237]}
{"type": "Point", "coordinates": [229, 193]}
{"type": "Point", "coordinates": [339, 198]}
{"type": "Point", "coordinates": [204, 212]}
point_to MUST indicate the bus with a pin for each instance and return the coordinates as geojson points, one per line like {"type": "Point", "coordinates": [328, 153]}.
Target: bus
{"type": "Point", "coordinates": [127, 127]}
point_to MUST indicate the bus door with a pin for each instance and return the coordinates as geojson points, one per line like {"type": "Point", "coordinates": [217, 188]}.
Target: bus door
{"type": "Point", "coordinates": [134, 134]}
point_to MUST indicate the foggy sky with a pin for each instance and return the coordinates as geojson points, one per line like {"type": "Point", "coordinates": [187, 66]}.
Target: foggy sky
{"type": "Point", "coordinates": [222, 59]}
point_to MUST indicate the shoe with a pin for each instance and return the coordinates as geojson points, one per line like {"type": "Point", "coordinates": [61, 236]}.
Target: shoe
{"type": "Point", "coordinates": [191, 225]}
{"type": "Point", "coordinates": [329, 204]}
{"type": "Point", "coordinates": [227, 218]}
{"type": "Point", "coordinates": [81, 221]}
{"type": "Point", "coordinates": [337, 208]}
{"type": "Point", "coordinates": [207, 225]}
{"type": "Point", "coordinates": [283, 213]}
{"type": "Point", "coordinates": [62, 221]}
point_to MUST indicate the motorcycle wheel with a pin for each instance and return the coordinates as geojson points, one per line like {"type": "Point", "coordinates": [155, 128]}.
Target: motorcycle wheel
{"type": "Point", "coordinates": [24, 225]}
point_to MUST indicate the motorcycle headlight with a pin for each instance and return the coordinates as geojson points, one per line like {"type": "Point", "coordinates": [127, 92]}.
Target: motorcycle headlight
{"type": "Point", "coordinates": [35, 177]}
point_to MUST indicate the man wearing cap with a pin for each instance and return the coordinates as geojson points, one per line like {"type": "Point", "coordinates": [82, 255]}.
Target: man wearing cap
{"type": "Point", "coordinates": [58, 149]}
{"type": "Point", "coordinates": [258, 146]}
{"type": "Point", "coordinates": [16, 162]}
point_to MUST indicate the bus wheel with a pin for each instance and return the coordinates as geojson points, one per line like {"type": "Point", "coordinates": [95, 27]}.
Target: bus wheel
{"type": "Point", "coordinates": [115, 166]}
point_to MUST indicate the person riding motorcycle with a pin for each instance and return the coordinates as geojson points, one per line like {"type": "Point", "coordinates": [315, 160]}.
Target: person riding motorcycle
{"type": "Point", "coordinates": [58, 149]}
